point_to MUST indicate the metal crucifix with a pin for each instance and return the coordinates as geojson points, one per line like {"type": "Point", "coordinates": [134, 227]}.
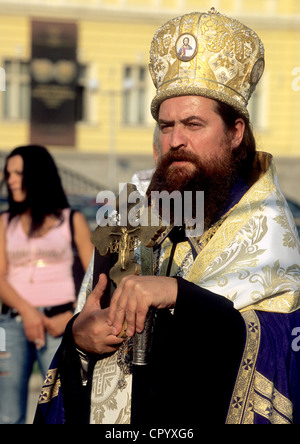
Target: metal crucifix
{"type": "Point", "coordinates": [123, 239]}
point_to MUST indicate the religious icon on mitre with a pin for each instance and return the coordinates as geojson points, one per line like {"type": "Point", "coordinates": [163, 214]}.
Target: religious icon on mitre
{"type": "Point", "coordinates": [186, 47]}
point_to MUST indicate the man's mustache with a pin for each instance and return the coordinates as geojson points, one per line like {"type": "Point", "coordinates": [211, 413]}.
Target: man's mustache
{"type": "Point", "coordinates": [180, 155]}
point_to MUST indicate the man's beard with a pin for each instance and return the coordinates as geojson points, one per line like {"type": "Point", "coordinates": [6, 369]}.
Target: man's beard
{"type": "Point", "coordinates": [215, 178]}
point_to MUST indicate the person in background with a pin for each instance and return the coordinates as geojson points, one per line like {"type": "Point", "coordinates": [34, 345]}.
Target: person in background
{"type": "Point", "coordinates": [36, 283]}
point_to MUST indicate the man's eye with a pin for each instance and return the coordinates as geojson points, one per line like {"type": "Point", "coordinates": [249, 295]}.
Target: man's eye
{"type": "Point", "coordinates": [164, 128]}
{"type": "Point", "coordinates": [194, 125]}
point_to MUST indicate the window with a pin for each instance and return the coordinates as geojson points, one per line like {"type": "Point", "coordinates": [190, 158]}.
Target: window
{"type": "Point", "coordinates": [134, 96]}
{"type": "Point", "coordinates": [16, 100]}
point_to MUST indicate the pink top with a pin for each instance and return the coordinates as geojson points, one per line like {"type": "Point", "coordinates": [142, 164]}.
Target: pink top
{"type": "Point", "coordinates": [40, 269]}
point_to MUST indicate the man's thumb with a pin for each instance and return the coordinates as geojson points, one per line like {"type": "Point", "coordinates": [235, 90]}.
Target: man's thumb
{"type": "Point", "coordinates": [99, 289]}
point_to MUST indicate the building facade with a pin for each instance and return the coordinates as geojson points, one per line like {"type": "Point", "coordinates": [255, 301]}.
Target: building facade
{"type": "Point", "coordinates": [110, 94]}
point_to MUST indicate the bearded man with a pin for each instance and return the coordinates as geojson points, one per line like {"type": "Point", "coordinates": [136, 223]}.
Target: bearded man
{"type": "Point", "coordinates": [227, 302]}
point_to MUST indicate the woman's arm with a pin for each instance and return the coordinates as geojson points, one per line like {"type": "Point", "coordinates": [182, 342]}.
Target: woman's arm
{"type": "Point", "coordinates": [82, 235]}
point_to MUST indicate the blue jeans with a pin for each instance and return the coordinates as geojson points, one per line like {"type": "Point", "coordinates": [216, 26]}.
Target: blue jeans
{"type": "Point", "coordinates": [16, 365]}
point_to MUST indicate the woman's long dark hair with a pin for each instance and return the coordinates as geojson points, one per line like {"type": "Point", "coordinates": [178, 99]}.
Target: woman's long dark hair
{"type": "Point", "coordinates": [42, 183]}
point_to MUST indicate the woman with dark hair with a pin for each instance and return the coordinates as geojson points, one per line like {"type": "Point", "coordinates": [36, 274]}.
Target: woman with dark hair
{"type": "Point", "coordinates": [36, 283]}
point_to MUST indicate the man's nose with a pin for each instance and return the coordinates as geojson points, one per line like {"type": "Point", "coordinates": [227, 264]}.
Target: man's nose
{"type": "Point", "coordinates": [178, 138]}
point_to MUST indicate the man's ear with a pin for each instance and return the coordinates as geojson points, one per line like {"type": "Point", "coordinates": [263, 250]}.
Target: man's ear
{"type": "Point", "coordinates": [238, 133]}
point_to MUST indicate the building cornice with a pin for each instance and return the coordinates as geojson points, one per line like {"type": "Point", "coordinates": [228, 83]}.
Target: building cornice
{"type": "Point", "coordinates": [63, 11]}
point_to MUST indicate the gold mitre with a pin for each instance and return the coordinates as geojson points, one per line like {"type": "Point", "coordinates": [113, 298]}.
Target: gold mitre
{"type": "Point", "coordinates": [206, 54]}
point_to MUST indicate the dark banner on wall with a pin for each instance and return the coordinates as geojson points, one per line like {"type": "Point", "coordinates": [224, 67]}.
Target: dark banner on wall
{"type": "Point", "coordinates": [54, 80]}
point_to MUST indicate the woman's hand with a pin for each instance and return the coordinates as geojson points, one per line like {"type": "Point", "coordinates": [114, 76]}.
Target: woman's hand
{"type": "Point", "coordinates": [56, 325]}
{"type": "Point", "coordinates": [133, 298]}
{"type": "Point", "coordinates": [33, 324]}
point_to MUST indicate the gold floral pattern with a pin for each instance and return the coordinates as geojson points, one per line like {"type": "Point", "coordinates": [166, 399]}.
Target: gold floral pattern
{"type": "Point", "coordinates": [226, 62]}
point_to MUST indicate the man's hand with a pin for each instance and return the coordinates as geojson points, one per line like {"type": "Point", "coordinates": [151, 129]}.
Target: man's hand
{"type": "Point", "coordinates": [133, 298]}
{"type": "Point", "coordinates": [91, 330]}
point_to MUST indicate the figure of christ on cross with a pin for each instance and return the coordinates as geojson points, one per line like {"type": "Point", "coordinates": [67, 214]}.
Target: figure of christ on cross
{"type": "Point", "coordinates": [123, 239]}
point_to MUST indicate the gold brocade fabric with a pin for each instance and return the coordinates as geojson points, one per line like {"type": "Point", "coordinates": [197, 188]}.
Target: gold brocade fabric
{"type": "Point", "coordinates": [206, 54]}
{"type": "Point", "coordinates": [50, 388]}
{"type": "Point", "coordinates": [254, 393]}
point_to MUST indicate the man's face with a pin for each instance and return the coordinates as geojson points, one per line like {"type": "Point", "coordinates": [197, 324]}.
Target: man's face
{"type": "Point", "coordinates": [189, 124]}
{"type": "Point", "coordinates": [196, 151]}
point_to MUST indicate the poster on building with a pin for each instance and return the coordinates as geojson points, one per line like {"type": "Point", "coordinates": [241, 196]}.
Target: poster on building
{"type": "Point", "coordinates": [53, 85]}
